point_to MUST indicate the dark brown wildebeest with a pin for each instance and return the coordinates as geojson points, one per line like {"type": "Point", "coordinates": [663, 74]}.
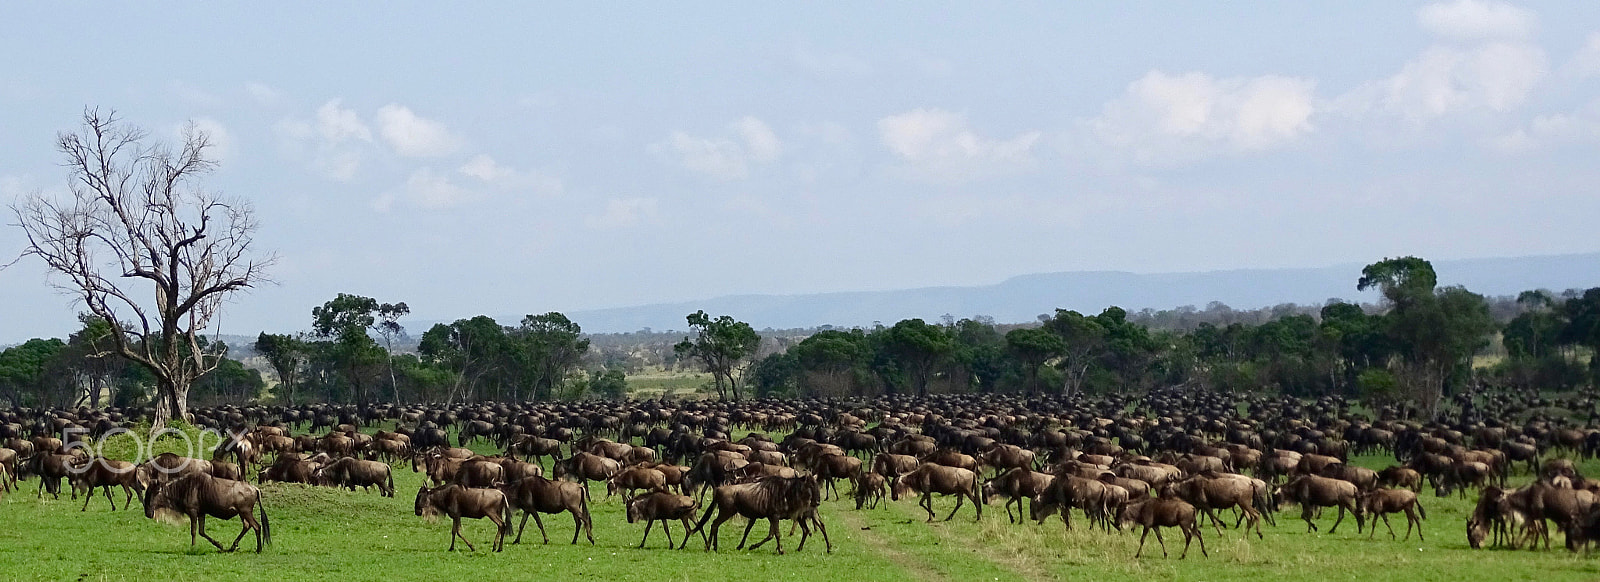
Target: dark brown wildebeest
{"type": "Point", "coordinates": [587, 467]}
{"type": "Point", "coordinates": [1313, 491]}
{"type": "Point", "coordinates": [1016, 485]}
{"type": "Point", "coordinates": [516, 470]}
{"type": "Point", "coordinates": [1460, 476]}
{"type": "Point", "coordinates": [1069, 491]}
{"type": "Point", "coordinates": [199, 495]}
{"type": "Point", "coordinates": [106, 473]}
{"type": "Point", "coordinates": [350, 472]}
{"type": "Point", "coordinates": [458, 502]}
{"type": "Point", "coordinates": [1382, 502]}
{"type": "Point", "coordinates": [1158, 513]}
{"type": "Point", "coordinates": [830, 468]}
{"type": "Point", "coordinates": [534, 447]}
{"type": "Point", "coordinates": [892, 465]}
{"type": "Point", "coordinates": [663, 507]}
{"type": "Point", "coordinates": [772, 499]}
{"type": "Point", "coordinates": [1210, 493]}
{"type": "Point", "coordinates": [1403, 477]}
{"type": "Point", "coordinates": [632, 479]}
{"type": "Point", "coordinates": [954, 458]}
{"type": "Point", "coordinates": [291, 468]}
{"type": "Point", "coordinates": [168, 466]}
{"type": "Point", "coordinates": [51, 469]}
{"type": "Point", "coordinates": [535, 495]}
{"type": "Point", "coordinates": [225, 470]}
{"type": "Point", "coordinates": [930, 478]}
{"type": "Point", "coordinates": [1004, 457]}
{"type": "Point", "coordinates": [1364, 479]}
{"type": "Point", "coordinates": [238, 446]}
{"type": "Point", "coordinates": [870, 488]}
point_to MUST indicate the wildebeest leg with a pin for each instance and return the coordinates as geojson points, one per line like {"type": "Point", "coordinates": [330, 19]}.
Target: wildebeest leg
{"type": "Point", "coordinates": [751, 523]}
{"type": "Point", "coordinates": [242, 530]}
{"type": "Point", "coordinates": [1161, 541]}
{"type": "Point", "coordinates": [499, 531]}
{"type": "Point", "coordinates": [1202, 539]}
{"type": "Point", "coordinates": [1410, 518]}
{"type": "Point", "coordinates": [715, 542]}
{"type": "Point", "coordinates": [824, 529]}
{"type": "Point", "coordinates": [927, 504]}
{"type": "Point", "coordinates": [208, 536]}
{"type": "Point", "coordinates": [1216, 523]}
{"type": "Point", "coordinates": [647, 525]}
{"type": "Point", "coordinates": [522, 527]}
{"type": "Point", "coordinates": [664, 528]}
{"type": "Point", "coordinates": [773, 531]}
{"type": "Point", "coordinates": [542, 533]}
{"type": "Point", "coordinates": [90, 496]}
{"type": "Point", "coordinates": [959, 500]}
{"type": "Point", "coordinates": [1142, 536]}
{"type": "Point", "coordinates": [1337, 521]}
{"type": "Point", "coordinates": [1305, 514]}
{"type": "Point", "coordinates": [1385, 517]}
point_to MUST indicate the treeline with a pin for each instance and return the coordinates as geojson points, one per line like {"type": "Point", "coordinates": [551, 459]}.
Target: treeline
{"type": "Point", "coordinates": [1421, 344]}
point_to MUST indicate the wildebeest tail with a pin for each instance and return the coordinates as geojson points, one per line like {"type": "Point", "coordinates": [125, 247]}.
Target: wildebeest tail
{"type": "Point", "coordinates": [704, 518]}
{"type": "Point", "coordinates": [1420, 510]}
{"type": "Point", "coordinates": [505, 510]}
{"type": "Point", "coordinates": [390, 475]}
{"type": "Point", "coordinates": [266, 526]}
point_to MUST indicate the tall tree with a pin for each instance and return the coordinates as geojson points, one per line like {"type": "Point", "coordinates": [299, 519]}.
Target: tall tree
{"type": "Point", "coordinates": [346, 321]}
{"type": "Point", "coordinates": [389, 328]}
{"type": "Point", "coordinates": [286, 354]}
{"type": "Point", "coordinates": [1435, 331]}
{"type": "Point", "coordinates": [1082, 346]}
{"type": "Point", "coordinates": [548, 347]}
{"type": "Point", "coordinates": [472, 349]}
{"type": "Point", "coordinates": [1032, 347]}
{"type": "Point", "coordinates": [720, 345]}
{"type": "Point", "coordinates": [827, 359]}
{"type": "Point", "coordinates": [1583, 327]}
{"type": "Point", "coordinates": [138, 224]}
{"type": "Point", "coordinates": [920, 348]}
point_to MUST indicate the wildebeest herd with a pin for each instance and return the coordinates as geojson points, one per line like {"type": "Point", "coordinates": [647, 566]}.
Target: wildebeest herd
{"type": "Point", "coordinates": [1175, 458]}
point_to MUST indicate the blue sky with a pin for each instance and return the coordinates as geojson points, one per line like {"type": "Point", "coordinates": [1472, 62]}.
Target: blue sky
{"type": "Point", "coordinates": [516, 158]}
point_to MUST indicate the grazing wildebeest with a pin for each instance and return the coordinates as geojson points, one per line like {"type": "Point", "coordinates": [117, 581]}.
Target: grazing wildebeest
{"type": "Point", "coordinates": [772, 499]}
{"type": "Point", "coordinates": [535, 495]}
{"type": "Point", "coordinates": [930, 478]}
{"type": "Point", "coordinates": [1313, 491]}
{"type": "Point", "coordinates": [199, 495]}
{"type": "Point", "coordinates": [632, 479]}
{"type": "Point", "coordinates": [663, 507]}
{"type": "Point", "coordinates": [350, 472]}
{"type": "Point", "coordinates": [1158, 513]}
{"type": "Point", "coordinates": [1398, 476]}
{"type": "Point", "coordinates": [106, 473]}
{"type": "Point", "coordinates": [870, 488]}
{"type": "Point", "coordinates": [1382, 502]}
{"type": "Point", "coordinates": [458, 502]}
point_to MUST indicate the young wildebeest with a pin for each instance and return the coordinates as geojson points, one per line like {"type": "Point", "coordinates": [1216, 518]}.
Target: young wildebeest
{"type": "Point", "coordinates": [1382, 502]}
{"type": "Point", "coordinates": [458, 502]}
{"type": "Point", "coordinates": [833, 467]}
{"type": "Point", "coordinates": [869, 490]}
{"type": "Point", "coordinates": [107, 473]}
{"type": "Point", "coordinates": [772, 499]}
{"type": "Point", "coordinates": [663, 507]}
{"type": "Point", "coordinates": [1398, 476]}
{"type": "Point", "coordinates": [630, 480]}
{"type": "Point", "coordinates": [351, 472]}
{"type": "Point", "coordinates": [1158, 513]}
{"type": "Point", "coordinates": [931, 478]}
{"type": "Point", "coordinates": [1312, 491]}
{"type": "Point", "coordinates": [535, 495]}
{"type": "Point", "coordinates": [199, 495]}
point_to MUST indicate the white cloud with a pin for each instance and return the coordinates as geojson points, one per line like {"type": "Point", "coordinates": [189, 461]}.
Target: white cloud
{"type": "Point", "coordinates": [725, 158]}
{"type": "Point", "coordinates": [1476, 20]}
{"type": "Point", "coordinates": [1163, 115]}
{"type": "Point", "coordinates": [1586, 63]}
{"type": "Point", "coordinates": [414, 136]}
{"type": "Point", "coordinates": [1581, 125]}
{"type": "Point", "coordinates": [487, 170]}
{"type": "Point", "coordinates": [623, 213]}
{"type": "Point", "coordinates": [429, 190]}
{"type": "Point", "coordinates": [938, 146]}
{"type": "Point", "coordinates": [337, 124]}
{"type": "Point", "coordinates": [263, 93]}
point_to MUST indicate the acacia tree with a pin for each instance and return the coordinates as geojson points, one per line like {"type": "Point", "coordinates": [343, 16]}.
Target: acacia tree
{"type": "Point", "coordinates": [286, 354]}
{"type": "Point", "coordinates": [1032, 347]}
{"type": "Point", "coordinates": [919, 347]}
{"type": "Point", "coordinates": [720, 345]}
{"type": "Point", "coordinates": [146, 247]}
{"type": "Point", "coordinates": [548, 346]}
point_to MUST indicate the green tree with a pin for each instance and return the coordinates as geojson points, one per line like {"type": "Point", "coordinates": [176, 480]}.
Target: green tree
{"type": "Point", "coordinates": [1083, 346]}
{"type": "Point", "coordinates": [345, 321]}
{"type": "Point", "coordinates": [547, 347]}
{"type": "Point", "coordinates": [1033, 347]}
{"type": "Point", "coordinates": [1583, 327]}
{"type": "Point", "coordinates": [472, 349]}
{"type": "Point", "coordinates": [609, 384]}
{"type": "Point", "coordinates": [720, 345]}
{"type": "Point", "coordinates": [920, 348]}
{"type": "Point", "coordinates": [1435, 331]}
{"type": "Point", "coordinates": [24, 380]}
{"type": "Point", "coordinates": [828, 360]}
{"type": "Point", "coordinates": [286, 354]}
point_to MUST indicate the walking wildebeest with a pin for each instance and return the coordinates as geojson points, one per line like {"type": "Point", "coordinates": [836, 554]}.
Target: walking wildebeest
{"type": "Point", "coordinates": [1313, 491]}
{"type": "Point", "coordinates": [1382, 502]}
{"type": "Point", "coordinates": [458, 502]}
{"type": "Point", "coordinates": [535, 495]}
{"type": "Point", "coordinates": [772, 499]}
{"type": "Point", "coordinates": [199, 495]}
{"type": "Point", "coordinates": [663, 507]}
{"type": "Point", "coordinates": [1158, 513]}
{"type": "Point", "coordinates": [106, 473]}
{"type": "Point", "coordinates": [932, 478]}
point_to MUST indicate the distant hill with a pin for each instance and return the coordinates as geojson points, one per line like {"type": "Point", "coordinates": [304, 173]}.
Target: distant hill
{"type": "Point", "coordinates": [1022, 298]}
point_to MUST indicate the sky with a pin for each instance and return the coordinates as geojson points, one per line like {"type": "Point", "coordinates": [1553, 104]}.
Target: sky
{"type": "Point", "coordinates": [523, 157]}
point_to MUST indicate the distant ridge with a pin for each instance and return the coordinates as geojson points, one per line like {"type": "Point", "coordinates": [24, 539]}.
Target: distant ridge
{"type": "Point", "coordinates": [1021, 298]}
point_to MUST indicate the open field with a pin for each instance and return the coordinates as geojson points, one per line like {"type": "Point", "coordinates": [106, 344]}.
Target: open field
{"type": "Point", "coordinates": [328, 534]}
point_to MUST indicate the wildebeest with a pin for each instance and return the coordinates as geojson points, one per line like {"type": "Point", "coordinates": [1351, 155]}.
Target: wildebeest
{"type": "Point", "coordinates": [458, 502]}
{"type": "Point", "coordinates": [772, 499]}
{"type": "Point", "coordinates": [1017, 485]}
{"type": "Point", "coordinates": [199, 495]}
{"type": "Point", "coordinates": [930, 478]}
{"type": "Point", "coordinates": [870, 488]}
{"type": "Point", "coordinates": [1313, 491]}
{"type": "Point", "coordinates": [1208, 493]}
{"type": "Point", "coordinates": [587, 467]}
{"type": "Point", "coordinates": [663, 507]}
{"type": "Point", "coordinates": [535, 495]}
{"type": "Point", "coordinates": [1382, 502]}
{"type": "Point", "coordinates": [1161, 512]}
{"type": "Point", "coordinates": [350, 472]}
{"type": "Point", "coordinates": [106, 473]}
{"type": "Point", "coordinates": [635, 478]}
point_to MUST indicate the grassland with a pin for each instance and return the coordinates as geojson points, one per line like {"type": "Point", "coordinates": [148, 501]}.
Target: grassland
{"type": "Point", "coordinates": [326, 534]}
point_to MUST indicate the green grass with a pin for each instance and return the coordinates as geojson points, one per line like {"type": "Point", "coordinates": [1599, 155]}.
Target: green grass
{"type": "Point", "coordinates": [680, 384]}
{"type": "Point", "coordinates": [326, 534]}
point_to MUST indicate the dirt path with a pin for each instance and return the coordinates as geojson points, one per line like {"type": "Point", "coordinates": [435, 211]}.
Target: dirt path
{"type": "Point", "coordinates": [863, 532]}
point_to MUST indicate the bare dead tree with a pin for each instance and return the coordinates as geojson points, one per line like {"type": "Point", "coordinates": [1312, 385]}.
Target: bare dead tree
{"type": "Point", "coordinates": [138, 221]}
